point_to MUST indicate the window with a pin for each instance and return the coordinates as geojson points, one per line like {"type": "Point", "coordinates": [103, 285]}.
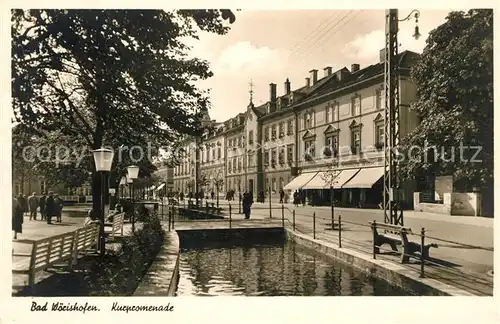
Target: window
{"type": "Point", "coordinates": [273, 156]}
{"type": "Point", "coordinates": [380, 94]}
{"type": "Point", "coordinates": [267, 184]}
{"type": "Point", "coordinates": [289, 130]}
{"type": "Point", "coordinates": [282, 184]}
{"type": "Point", "coordinates": [250, 137]}
{"type": "Point", "coordinates": [266, 157]}
{"type": "Point", "coordinates": [213, 154]}
{"type": "Point", "coordinates": [355, 141]}
{"type": "Point", "coordinates": [273, 184]}
{"type": "Point", "coordinates": [208, 155]}
{"type": "Point", "coordinates": [239, 163]}
{"type": "Point", "coordinates": [250, 161]}
{"type": "Point", "coordinates": [282, 129]}
{"type": "Point", "coordinates": [379, 134]}
{"type": "Point", "coordinates": [356, 105]}
{"type": "Point", "coordinates": [281, 156]}
{"type": "Point", "coordinates": [219, 151]}
{"type": "Point", "coordinates": [234, 164]}
{"type": "Point", "coordinates": [43, 186]}
{"type": "Point", "coordinates": [239, 141]}
{"type": "Point", "coordinates": [307, 120]}
{"type": "Point", "coordinates": [266, 134]}
{"type": "Point", "coordinates": [329, 113]}
{"type": "Point", "coordinates": [289, 153]}
{"type": "Point", "coordinates": [335, 113]}
{"type": "Point", "coordinates": [273, 132]}
{"type": "Point", "coordinates": [309, 148]}
{"type": "Point", "coordinates": [332, 141]}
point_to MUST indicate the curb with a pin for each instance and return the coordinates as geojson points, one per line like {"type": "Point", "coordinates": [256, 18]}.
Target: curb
{"type": "Point", "coordinates": [393, 273]}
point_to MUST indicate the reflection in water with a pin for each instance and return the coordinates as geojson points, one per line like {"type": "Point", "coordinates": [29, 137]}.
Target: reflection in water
{"type": "Point", "coordinates": [277, 270]}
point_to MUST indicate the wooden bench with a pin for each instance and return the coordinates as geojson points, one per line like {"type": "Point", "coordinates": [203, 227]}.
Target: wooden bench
{"type": "Point", "coordinates": [86, 240]}
{"type": "Point", "coordinates": [46, 253]}
{"type": "Point", "coordinates": [398, 235]}
{"type": "Point", "coordinates": [116, 225]}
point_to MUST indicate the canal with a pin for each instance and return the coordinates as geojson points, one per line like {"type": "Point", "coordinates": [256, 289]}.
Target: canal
{"type": "Point", "coordinates": [285, 269]}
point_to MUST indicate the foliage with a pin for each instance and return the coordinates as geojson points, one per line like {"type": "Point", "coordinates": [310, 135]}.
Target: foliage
{"type": "Point", "coordinates": [118, 78]}
{"type": "Point", "coordinates": [454, 79]}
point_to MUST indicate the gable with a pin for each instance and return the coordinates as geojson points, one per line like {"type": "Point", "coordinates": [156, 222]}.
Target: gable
{"type": "Point", "coordinates": [330, 129]}
{"type": "Point", "coordinates": [308, 134]}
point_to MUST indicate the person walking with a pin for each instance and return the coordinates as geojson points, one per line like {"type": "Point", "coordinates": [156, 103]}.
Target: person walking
{"type": "Point", "coordinates": [212, 195]}
{"type": "Point", "coordinates": [296, 198]}
{"type": "Point", "coordinates": [17, 217]}
{"type": "Point", "coordinates": [59, 203]}
{"type": "Point", "coordinates": [41, 203]}
{"type": "Point", "coordinates": [282, 196]}
{"type": "Point", "coordinates": [50, 207]}
{"type": "Point", "coordinates": [33, 205]}
{"type": "Point", "coordinates": [247, 204]}
{"type": "Point", "coordinates": [21, 200]}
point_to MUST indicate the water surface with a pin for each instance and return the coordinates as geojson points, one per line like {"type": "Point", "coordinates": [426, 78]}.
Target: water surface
{"type": "Point", "coordinates": [273, 270]}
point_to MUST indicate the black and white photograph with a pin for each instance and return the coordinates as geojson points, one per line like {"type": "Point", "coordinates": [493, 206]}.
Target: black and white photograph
{"type": "Point", "coordinates": [251, 152]}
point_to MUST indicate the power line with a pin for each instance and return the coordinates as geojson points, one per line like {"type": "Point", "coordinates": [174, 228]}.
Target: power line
{"type": "Point", "coordinates": [324, 40]}
{"type": "Point", "coordinates": [299, 45]}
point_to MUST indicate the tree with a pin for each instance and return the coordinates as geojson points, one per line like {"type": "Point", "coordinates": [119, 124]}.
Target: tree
{"type": "Point", "coordinates": [110, 77]}
{"type": "Point", "coordinates": [454, 79]}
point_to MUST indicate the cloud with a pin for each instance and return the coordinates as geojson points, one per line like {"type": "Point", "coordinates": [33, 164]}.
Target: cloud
{"type": "Point", "coordinates": [244, 57]}
{"type": "Point", "coordinates": [366, 47]}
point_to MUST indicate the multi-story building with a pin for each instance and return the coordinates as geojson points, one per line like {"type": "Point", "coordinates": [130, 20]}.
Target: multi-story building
{"type": "Point", "coordinates": [327, 133]}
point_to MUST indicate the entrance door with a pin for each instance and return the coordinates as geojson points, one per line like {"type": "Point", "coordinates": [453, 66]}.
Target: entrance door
{"type": "Point", "coordinates": [250, 185]}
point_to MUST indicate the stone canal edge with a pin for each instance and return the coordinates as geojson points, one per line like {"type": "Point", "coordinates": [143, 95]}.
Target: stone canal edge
{"type": "Point", "coordinates": [166, 263]}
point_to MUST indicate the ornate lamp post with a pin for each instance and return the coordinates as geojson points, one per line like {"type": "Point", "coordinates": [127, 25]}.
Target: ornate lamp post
{"type": "Point", "coordinates": [103, 159]}
{"type": "Point", "coordinates": [133, 173]}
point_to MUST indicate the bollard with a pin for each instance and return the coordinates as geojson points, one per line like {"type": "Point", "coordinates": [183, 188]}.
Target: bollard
{"type": "Point", "coordinates": [169, 219]}
{"type": "Point", "coordinates": [230, 215]}
{"type": "Point", "coordinates": [340, 232]}
{"type": "Point", "coordinates": [422, 259]}
{"type": "Point", "coordinates": [374, 226]}
{"type": "Point", "coordinates": [270, 206]}
{"type": "Point", "coordinates": [314, 225]}
{"type": "Point", "coordinates": [282, 216]}
{"type": "Point", "coordinates": [293, 219]}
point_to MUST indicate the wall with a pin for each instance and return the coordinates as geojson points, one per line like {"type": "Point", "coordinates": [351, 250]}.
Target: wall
{"type": "Point", "coordinates": [455, 203]}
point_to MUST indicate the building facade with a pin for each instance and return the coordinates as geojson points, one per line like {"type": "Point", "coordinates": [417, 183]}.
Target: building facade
{"type": "Point", "coordinates": [325, 137]}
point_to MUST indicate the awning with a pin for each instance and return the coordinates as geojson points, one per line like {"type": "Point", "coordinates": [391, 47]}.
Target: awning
{"type": "Point", "coordinates": [365, 178]}
{"type": "Point", "coordinates": [343, 177]}
{"type": "Point", "coordinates": [317, 182]}
{"type": "Point", "coordinates": [299, 181]}
{"type": "Point", "coordinates": [160, 187]}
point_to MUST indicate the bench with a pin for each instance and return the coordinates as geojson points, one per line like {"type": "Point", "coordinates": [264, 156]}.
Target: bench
{"type": "Point", "coordinates": [398, 235]}
{"type": "Point", "coordinates": [86, 240]}
{"type": "Point", "coordinates": [116, 225]}
{"type": "Point", "coordinates": [46, 253]}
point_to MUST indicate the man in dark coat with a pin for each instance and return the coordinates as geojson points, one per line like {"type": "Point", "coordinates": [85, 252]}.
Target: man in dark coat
{"type": "Point", "coordinates": [23, 202]}
{"type": "Point", "coordinates": [59, 206]}
{"type": "Point", "coordinates": [17, 217]}
{"type": "Point", "coordinates": [41, 202]}
{"type": "Point", "coordinates": [247, 204]}
{"type": "Point", "coordinates": [33, 205]}
{"type": "Point", "coordinates": [282, 195]}
{"type": "Point", "coordinates": [50, 207]}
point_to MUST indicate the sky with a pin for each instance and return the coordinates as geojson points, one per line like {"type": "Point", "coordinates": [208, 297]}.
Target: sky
{"type": "Point", "coordinates": [270, 46]}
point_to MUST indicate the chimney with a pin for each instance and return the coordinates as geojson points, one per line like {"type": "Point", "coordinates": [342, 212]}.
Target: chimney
{"type": "Point", "coordinates": [287, 86]}
{"type": "Point", "coordinates": [272, 92]}
{"type": "Point", "coordinates": [382, 55]}
{"type": "Point", "coordinates": [314, 76]}
{"type": "Point", "coordinates": [328, 71]}
{"type": "Point", "coordinates": [354, 67]}
{"type": "Point", "coordinates": [308, 82]}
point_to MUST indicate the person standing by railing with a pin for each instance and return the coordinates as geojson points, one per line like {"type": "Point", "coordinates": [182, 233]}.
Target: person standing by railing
{"type": "Point", "coordinates": [33, 205]}
{"type": "Point", "coordinates": [50, 207]}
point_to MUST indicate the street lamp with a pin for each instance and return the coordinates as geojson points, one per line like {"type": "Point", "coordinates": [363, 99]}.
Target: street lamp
{"type": "Point", "coordinates": [103, 158]}
{"type": "Point", "coordinates": [133, 173]}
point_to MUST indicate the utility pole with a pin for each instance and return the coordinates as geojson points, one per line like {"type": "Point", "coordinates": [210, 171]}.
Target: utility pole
{"type": "Point", "coordinates": [393, 213]}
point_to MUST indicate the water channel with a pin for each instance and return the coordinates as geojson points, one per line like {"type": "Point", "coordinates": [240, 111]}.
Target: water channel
{"type": "Point", "coordinates": [273, 270]}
